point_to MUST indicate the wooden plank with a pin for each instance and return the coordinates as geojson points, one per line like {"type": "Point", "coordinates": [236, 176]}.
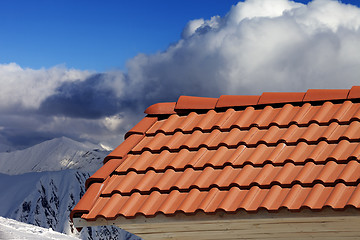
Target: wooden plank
{"type": "Point", "coordinates": [335, 228]}
{"type": "Point", "coordinates": [326, 224]}
{"type": "Point", "coordinates": [233, 234]}
{"type": "Point", "coordinates": [199, 217]}
{"type": "Point", "coordinates": [267, 224]}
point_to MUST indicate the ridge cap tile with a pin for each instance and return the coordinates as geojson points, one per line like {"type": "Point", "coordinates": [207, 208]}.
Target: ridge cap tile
{"type": "Point", "coordinates": [195, 103]}
{"type": "Point", "coordinates": [163, 108]}
{"type": "Point", "coordinates": [281, 97]}
{"type": "Point", "coordinates": [237, 100]}
{"type": "Point", "coordinates": [354, 92]}
{"type": "Point", "coordinates": [325, 94]}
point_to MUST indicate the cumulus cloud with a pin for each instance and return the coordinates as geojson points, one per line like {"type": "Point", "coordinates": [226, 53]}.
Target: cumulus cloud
{"type": "Point", "coordinates": [27, 88]}
{"type": "Point", "coordinates": [257, 46]}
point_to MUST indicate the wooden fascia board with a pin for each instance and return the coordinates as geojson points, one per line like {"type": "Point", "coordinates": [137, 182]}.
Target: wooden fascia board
{"type": "Point", "coordinates": [219, 216]}
{"type": "Point", "coordinates": [325, 224]}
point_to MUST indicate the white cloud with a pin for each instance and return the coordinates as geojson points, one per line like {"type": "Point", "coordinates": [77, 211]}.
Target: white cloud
{"type": "Point", "coordinates": [259, 46]}
{"type": "Point", "coordinates": [259, 9]}
{"type": "Point", "coordinates": [113, 123]}
{"type": "Point", "coordinates": [26, 87]}
{"type": "Point", "coordinates": [191, 27]}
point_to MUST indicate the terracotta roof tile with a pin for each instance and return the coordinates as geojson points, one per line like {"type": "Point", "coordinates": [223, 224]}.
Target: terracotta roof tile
{"type": "Point", "coordinates": [237, 101]}
{"type": "Point", "coordinates": [124, 148]}
{"type": "Point", "coordinates": [161, 108]}
{"type": "Point", "coordinates": [195, 103]}
{"type": "Point", "coordinates": [142, 126]}
{"type": "Point", "coordinates": [280, 97]}
{"type": "Point", "coordinates": [277, 150]}
{"type": "Point", "coordinates": [354, 92]}
{"type": "Point", "coordinates": [104, 172]}
{"type": "Point", "coordinates": [88, 200]}
{"type": "Point", "coordinates": [325, 94]}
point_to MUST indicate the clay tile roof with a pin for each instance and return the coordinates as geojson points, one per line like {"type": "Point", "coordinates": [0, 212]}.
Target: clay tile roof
{"type": "Point", "coordinates": [277, 150]}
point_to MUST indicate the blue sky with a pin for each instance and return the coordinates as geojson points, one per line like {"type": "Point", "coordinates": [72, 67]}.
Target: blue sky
{"type": "Point", "coordinates": [95, 35]}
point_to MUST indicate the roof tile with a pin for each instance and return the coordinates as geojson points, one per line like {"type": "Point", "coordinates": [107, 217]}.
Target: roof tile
{"type": "Point", "coordinates": [281, 97]}
{"type": "Point", "coordinates": [142, 126]}
{"type": "Point", "coordinates": [325, 94]}
{"type": "Point", "coordinates": [195, 103]}
{"type": "Point", "coordinates": [87, 201]}
{"type": "Point", "coordinates": [237, 101]}
{"type": "Point", "coordinates": [105, 171]}
{"type": "Point", "coordinates": [354, 92]}
{"type": "Point", "coordinates": [124, 148]}
{"type": "Point", "coordinates": [161, 108]}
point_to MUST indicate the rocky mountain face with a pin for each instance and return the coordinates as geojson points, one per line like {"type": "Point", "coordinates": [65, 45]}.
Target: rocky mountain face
{"type": "Point", "coordinates": [40, 185]}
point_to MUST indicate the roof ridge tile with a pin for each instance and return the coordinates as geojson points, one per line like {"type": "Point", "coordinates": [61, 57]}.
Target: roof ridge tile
{"type": "Point", "coordinates": [325, 94]}
{"type": "Point", "coordinates": [195, 103]}
{"type": "Point", "coordinates": [186, 103]}
{"type": "Point", "coordinates": [281, 97]}
{"type": "Point", "coordinates": [227, 101]}
{"type": "Point", "coordinates": [161, 108]}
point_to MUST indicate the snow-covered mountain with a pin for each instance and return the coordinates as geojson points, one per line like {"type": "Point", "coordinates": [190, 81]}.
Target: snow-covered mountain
{"type": "Point", "coordinates": [53, 155]}
{"type": "Point", "coordinates": [5, 148]}
{"type": "Point", "coordinates": [41, 184]}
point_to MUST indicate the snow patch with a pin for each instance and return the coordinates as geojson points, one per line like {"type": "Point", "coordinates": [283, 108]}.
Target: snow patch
{"type": "Point", "coordinates": [11, 229]}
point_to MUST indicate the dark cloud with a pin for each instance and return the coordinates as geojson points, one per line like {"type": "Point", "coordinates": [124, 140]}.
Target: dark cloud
{"type": "Point", "coordinates": [21, 138]}
{"type": "Point", "coordinates": [90, 98]}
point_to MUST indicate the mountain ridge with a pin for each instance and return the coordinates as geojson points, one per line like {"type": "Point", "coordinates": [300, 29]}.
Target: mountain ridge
{"type": "Point", "coordinates": [53, 155]}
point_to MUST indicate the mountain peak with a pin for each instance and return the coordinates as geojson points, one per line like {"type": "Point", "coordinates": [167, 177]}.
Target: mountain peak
{"type": "Point", "coordinates": [53, 155]}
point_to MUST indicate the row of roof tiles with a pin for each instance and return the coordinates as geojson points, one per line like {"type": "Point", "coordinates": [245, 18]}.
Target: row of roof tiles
{"type": "Point", "coordinates": [244, 119]}
{"type": "Point", "coordinates": [279, 155]}
{"type": "Point", "coordinates": [264, 177]}
{"type": "Point", "coordinates": [232, 200]}
{"type": "Point", "coordinates": [225, 101]}
{"type": "Point", "coordinates": [252, 137]}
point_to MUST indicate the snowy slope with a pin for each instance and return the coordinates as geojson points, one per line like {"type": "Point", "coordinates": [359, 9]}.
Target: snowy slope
{"type": "Point", "coordinates": [53, 155]}
{"type": "Point", "coordinates": [5, 148]}
{"type": "Point", "coordinates": [41, 184]}
{"type": "Point", "coordinates": [11, 229]}
{"type": "Point", "coordinates": [44, 199]}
